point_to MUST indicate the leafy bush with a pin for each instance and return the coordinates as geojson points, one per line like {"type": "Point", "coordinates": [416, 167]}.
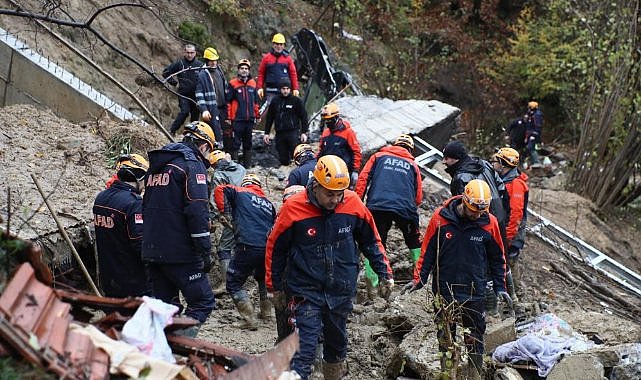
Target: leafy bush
{"type": "Point", "coordinates": [195, 33]}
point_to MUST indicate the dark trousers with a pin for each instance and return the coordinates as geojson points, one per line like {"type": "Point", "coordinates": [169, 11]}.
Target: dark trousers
{"type": "Point", "coordinates": [243, 134]}
{"type": "Point", "coordinates": [409, 228]}
{"type": "Point", "coordinates": [471, 315]}
{"type": "Point", "coordinates": [187, 107]}
{"type": "Point", "coordinates": [312, 321]}
{"type": "Point", "coordinates": [247, 261]}
{"type": "Point", "coordinates": [188, 278]}
{"type": "Point", "coordinates": [286, 141]}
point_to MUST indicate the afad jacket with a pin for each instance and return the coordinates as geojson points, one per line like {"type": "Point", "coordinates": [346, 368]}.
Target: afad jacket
{"type": "Point", "coordinates": [175, 206]}
{"type": "Point", "coordinates": [518, 194]}
{"type": "Point", "coordinates": [242, 100]}
{"type": "Point", "coordinates": [392, 182]}
{"type": "Point", "coordinates": [312, 252]}
{"type": "Point", "coordinates": [275, 67]}
{"type": "Point", "coordinates": [341, 141]}
{"type": "Point", "coordinates": [253, 214]}
{"type": "Point", "coordinates": [118, 219]}
{"type": "Point", "coordinates": [301, 174]}
{"type": "Point", "coordinates": [458, 252]}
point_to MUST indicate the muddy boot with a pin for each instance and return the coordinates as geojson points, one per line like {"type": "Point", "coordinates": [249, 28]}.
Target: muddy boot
{"type": "Point", "coordinates": [221, 288]}
{"type": "Point", "coordinates": [265, 309]}
{"type": "Point", "coordinates": [372, 292]}
{"type": "Point", "coordinates": [189, 332]}
{"type": "Point", "coordinates": [491, 302]}
{"type": "Point", "coordinates": [333, 371]}
{"type": "Point", "coordinates": [247, 158]}
{"type": "Point", "coordinates": [246, 311]}
{"type": "Point", "coordinates": [509, 280]}
{"type": "Point", "coordinates": [476, 366]}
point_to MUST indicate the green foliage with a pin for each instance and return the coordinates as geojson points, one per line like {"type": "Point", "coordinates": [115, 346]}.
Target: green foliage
{"type": "Point", "coordinates": [12, 369]}
{"type": "Point", "coordinates": [116, 146]}
{"type": "Point", "coordinates": [231, 8]}
{"type": "Point", "coordinates": [195, 33]}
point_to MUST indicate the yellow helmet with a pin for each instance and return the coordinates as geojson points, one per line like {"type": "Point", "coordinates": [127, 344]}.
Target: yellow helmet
{"type": "Point", "coordinates": [250, 179]}
{"type": "Point", "coordinates": [211, 54]}
{"type": "Point", "coordinates": [406, 141]}
{"type": "Point", "coordinates": [216, 156]}
{"type": "Point", "coordinates": [278, 38]}
{"type": "Point", "coordinates": [477, 195]}
{"type": "Point", "coordinates": [131, 166]}
{"type": "Point", "coordinates": [508, 156]}
{"type": "Point", "coordinates": [201, 131]}
{"type": "Point", "coordinates": [329, 111]}
{"type": "Point", "coordinates": [244, 62]}
{"type": "Point", "coordinates": [331, 173]}
{"type": "Point", "coordinates": [533, 105]}
{"type": "Point", "coordinates": [291, 190]}
{"type": "Point", "coordinates": [301, 151]}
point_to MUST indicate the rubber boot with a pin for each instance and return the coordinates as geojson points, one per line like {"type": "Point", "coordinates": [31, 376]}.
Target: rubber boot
{"type": "Point", "coordinates": [371, 290]}
{"type": "Point", "coordinates": [222, 286]}
{"type": "Point", "coordinates": [491, 302]}
{"type": "Point", "coordinates": [265, 309]}
{"type": "Point", "coordinates": [415, 253]}
{"type": "Point", "coordinates": [189, 332]}
{"type": "Point", "coordinates": [476, 367]}
{"type": "Point", "coordinates": [246, 311]}
{"type": "Point", "coordinates": [509, 280]}
{"type": "Point", "coordinates": [515, 268]}
{"type": "Point", "coordinates": [333, 371]}
{"type": "Point", "coordinates": [247, 158]}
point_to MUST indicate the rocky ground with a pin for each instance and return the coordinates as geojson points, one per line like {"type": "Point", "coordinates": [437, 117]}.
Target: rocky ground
{"type": "Point", "coordinates": [71, 162]}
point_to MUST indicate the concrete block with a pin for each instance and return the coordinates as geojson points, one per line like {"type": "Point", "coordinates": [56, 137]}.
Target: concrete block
{"type": "Point", "coordinates": [499, 333]}
{"type": "Point", "coordinates": [584, 367]}
{"type": "Point", "coordinates": [507, 373]}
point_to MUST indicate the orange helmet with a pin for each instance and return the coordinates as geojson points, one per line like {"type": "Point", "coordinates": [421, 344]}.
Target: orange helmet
{"type": "Point", "coordinates": [329, 111]}
{"type": "Point", "coordinates": [250, 179]}
{"type": "Point", "coordinates": [201, 131]}
{"type": "Point", "coordinates": [406, 141]}
{"type": "Point", "coordinates": [216, 156]}
{"type": "Point", "coordinates": [244, 62]}
{"type": "Point", "coordinates": [331, 173]}
{"type": "Point", "coordinates": [477, 196]}
{"type": "Point", "coordinates": [302, 151]}
{"type": "Point", "coordinates": [533, 105]}
{"type": "Point", "coordinates": [508, 156]}
{"type": "Point", "coordinates": [291, 190]}
{"type": "Point", "coordinates": [131, 166]}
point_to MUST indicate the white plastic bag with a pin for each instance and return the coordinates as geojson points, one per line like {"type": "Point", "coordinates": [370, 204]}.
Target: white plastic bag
{"type": "Point", "coordinates": [146, 329]}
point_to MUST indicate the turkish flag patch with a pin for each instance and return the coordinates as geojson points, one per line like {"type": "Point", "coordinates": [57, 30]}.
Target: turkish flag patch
{"type": "Point", "coordinates": [138, 218]}
{"type": "Point", "coordinates": [201, 179]}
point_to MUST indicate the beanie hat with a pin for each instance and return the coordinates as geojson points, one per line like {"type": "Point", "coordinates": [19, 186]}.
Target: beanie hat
{"type": "Point", "coordinates": [284, 82]}
{"type": "Point", "coordinates": [455, 149]}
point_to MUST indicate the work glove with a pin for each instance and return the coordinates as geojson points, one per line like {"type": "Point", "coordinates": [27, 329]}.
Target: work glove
{"type": "Point", "coordinates": [266, 139]}
{"type": "Point", "coordinates": [261, 93]}
{"type": "Point", "coordinates": [227, 124]}
{"type": "Point", "coordinates": [505, 297]}
{"type": "Point", "coordinates": [206, 116]}
{"type": "Point", "coordinates": [279, 299]}
{"type": "Point", "coordinates": [207, 264]}
{"type": "Point", "coordinates": [303, 138]}
{"type": "Point", "coordinates": [408, 288]}
{"type": "Point", "coordinates": [295, 92]}
{"type": "Point", "coordinates": [385, 288]}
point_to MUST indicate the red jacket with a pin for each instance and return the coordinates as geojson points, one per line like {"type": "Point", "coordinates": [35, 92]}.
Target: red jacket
{"type": "Point", "coordinates": [341, 142]}
{"type": "Point", "coordinates": [242, 100]}
{"type": "Point", "coordinates": [518, 194]}
{"type": "Point", "coordinates": [273, 68]}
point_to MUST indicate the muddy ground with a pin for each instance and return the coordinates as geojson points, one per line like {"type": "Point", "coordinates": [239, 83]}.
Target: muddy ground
{"type": "Point", "coordinates": [71, 162]}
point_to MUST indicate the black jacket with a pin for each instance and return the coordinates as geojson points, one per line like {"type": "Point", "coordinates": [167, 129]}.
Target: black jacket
{"type": "Point", "coordinates": [288, 113]}
{"type": "Point", "coordinates": [186, 79]}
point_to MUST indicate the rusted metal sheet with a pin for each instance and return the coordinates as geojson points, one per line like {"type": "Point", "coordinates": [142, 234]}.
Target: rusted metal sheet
{"type": "Point", "coordinates": [35, 323]}
{"type": "Point", "coordinates": [185, 346]}
{"type": "Point", "coordinates": [271, 364]}
{"type": "Point", "coordinates": [98, 302]}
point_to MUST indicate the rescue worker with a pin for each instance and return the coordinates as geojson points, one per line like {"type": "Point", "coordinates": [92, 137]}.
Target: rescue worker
{"type": "Point", "coordinates": [184, 69]}
{"type": "Point", "coordinates": [391, 180]}
{"type": "Point", "coordinates": [253, 217]}
{"type": "Point", "coordinates": [176, 242]}
{"type": "Point", "coordinates": [242, 102]}
{"type": "Point", "coordinates": [338, 138]}
{"type": "Point", "coordinates": [305, 162]}
{"type": "Point", "coordinates": [533, 129]}
{"type": "Point", "coordinates": [210, 93]}
{"type": "Point", "coordinates": [506, 162]}
{"type": "Point", "coordinates": [226, 172]}
{"type": "Point", "coordinates": [289, 117]}
{"type": "Point", "coordinates": [119, 226]}
{"type": "Point", "coordinates": [462, 240]}
{"type": "Point", "coordinates": [463, 169]}
{"type": "Point", "coordinates": [276, 65]}
{"type": "Point", "coordinates": [312, 258]}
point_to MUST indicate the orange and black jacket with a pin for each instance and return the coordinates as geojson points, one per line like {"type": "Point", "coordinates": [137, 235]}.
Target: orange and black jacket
{"type": "Point", "coordinates": [392, 182]}
{"type": "Point", "coordinates": [242, 100]}
{"type": "Point", "coordinates": [518, 194]}
{"type": "Point", "coordinates": [341, 141]}
{"type": "Point", "coordinates": [458, 252]}
{"type": "Point", "coordinates": [312, 252]}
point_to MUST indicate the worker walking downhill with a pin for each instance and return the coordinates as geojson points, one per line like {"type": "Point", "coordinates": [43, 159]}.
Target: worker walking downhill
{"type": "Point", "coordinates": [226, 172]}
{"type": "Point", "coordinates": [242, 100]}
{"type": "Point", "coordinates": [176, 241]}
{"type": "Point", "coordinates": [119, 226]}
{"type": "Point", "coordinates": [210, 92]}
{"type": "Point", "coordinates": [253, 217]}
{"type": "Point", "coordinates": [506, 162]}
{"type": "Point", "coordinates": [338, 138]}
{"type": "Point", "coordinates": [391, 181]}
{"type": "Point", "coordinates": [185, 71]}
{"type": "Point", "coordinates": [305, 162]}
{"type": "Point", "coordinates": [533, 130]}
{"type": "Point", "coordinates": [312, 258]}
{"type": "Point", "coordinates": [462, 240]}
{"type": "Point", "coordinates": [288, 114]}
{"type": "Point", "coordinates": [275, 66]}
